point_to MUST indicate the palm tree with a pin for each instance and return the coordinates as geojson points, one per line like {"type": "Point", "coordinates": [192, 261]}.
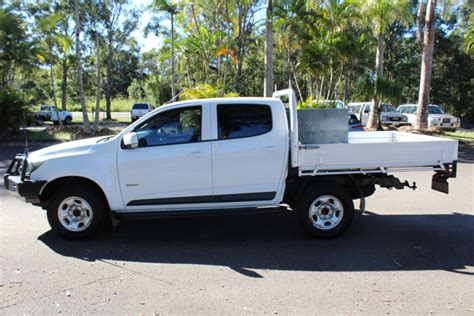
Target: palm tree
{"type": "Point", "coordinates": [268, 77]}
{"type": "Point", "coordinates": [171, 7]}
{"type": "Point", "coordinates": [383, 13]}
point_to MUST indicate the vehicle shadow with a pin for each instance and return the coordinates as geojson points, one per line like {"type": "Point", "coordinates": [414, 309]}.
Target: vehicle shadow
{"type": "Point", "coordinates": [275, 241]}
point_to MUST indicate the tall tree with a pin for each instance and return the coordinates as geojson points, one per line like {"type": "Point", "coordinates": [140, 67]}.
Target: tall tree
{"type": "Point", "coordinates": [119, 24]}
{"type": "Point", "coordinates": [82, 97]}
{"type": "Point", "coordinates": [426, 66]}
{"type": "Point", "coordinates": [172, 8]}
{"type": "Point", "coordinates": [268, 78]}
{"type": "Point", "coordinates": [382, 13]}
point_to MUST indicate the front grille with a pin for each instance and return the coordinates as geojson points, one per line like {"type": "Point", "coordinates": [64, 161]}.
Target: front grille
{"type": "Point", "coordinates": [446, 120]}
{"type": "Point", "coordinates": [394, 119]}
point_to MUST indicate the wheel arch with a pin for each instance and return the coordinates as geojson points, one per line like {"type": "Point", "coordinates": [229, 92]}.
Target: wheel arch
{"type": "Point", "coordinates": [51, 186]}
{"type": "Point", "coordinates": [298, 185]}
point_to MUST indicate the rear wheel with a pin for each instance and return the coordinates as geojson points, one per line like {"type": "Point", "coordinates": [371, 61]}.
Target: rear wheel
{"type": "Point", "coordinates": [325, 212]}
{"type": "Point", "coordinates": [67, 120]}
{"type": "Point", "coordinates": [77, 212]}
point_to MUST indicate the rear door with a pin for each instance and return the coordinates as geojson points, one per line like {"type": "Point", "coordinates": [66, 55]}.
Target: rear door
{"type": "Point", "coordinates": [249, 153]}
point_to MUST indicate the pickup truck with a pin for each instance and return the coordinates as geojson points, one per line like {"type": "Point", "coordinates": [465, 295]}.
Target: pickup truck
{"type": "Point", "coordinates": [437, 118]}
{"type": "Point", "coordinates": [218, 156]}
{"type": "Point", "coordinates": [48, 113]}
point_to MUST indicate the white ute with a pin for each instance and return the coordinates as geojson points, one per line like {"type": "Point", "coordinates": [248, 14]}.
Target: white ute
{"type": "Point", "coordinates": [227, 155]}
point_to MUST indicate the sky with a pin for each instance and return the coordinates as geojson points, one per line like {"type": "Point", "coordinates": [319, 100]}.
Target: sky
{"type": "Point", "coordinates": [151, 41]}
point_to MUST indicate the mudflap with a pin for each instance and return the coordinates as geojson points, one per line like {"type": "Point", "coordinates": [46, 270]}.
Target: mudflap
{"type": "Point", "coordinates": [439, 181]}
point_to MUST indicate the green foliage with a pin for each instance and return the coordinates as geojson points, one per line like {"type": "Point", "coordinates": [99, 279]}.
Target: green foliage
{"type": "Point", "coordinates": [136, 90]}
{"type": "Point", "coordinates": [13, 110]}
{"type": "Point", "coordinates": [204, 91]}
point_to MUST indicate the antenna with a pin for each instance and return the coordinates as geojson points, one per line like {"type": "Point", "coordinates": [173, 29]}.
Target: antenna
{"type": "Point", "coordinates": [23, 128]}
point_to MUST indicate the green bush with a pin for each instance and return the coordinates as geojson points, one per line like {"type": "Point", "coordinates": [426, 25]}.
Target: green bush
{"type": "Point", "coordinates": [204, 91]}
{"type": "Point", "coordinates": [13, 112]}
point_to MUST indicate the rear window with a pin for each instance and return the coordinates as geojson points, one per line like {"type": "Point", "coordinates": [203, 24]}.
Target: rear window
{"type": "Point", "coordinates": [140, 106]}
{"type": "Point", "coordinates": [243, 120]}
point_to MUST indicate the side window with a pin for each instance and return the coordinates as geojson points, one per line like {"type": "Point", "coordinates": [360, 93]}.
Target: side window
{"type": "Point", "coordinates": [177, 126]}
{"type": "Point", "coordinates": [243, 120]}
{"type": "Point", "coordinates": [367, 108]}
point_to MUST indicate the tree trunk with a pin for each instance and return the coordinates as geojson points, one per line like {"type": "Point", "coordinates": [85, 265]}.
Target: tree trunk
{"type": "Point", "coordinates": [173, 90]}
{"type": "Point", "coordinates": [108, 91]}
{"type": "Point", "coordinates": [64, 85]}
{"type": "Point", "coordinates": [98, 83]}
{"type": "Point", "coordinates": [86, 124]}
{"type": "Point", "coordinates": [419, 25]}
{"type": "Point", "coordinates": [426, 67]}
{"type": "Point", "coordinates": [53, 90]}
{"type": "Point", "coordinates": [374, 113]}
{"type": "Point", "coordinates": [268, 79]}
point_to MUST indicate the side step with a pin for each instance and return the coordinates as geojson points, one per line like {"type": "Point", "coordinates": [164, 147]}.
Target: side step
{"type": "Point", "coordinates": [198, 213]}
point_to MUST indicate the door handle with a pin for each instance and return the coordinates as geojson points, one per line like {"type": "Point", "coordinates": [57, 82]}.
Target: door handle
{"type": "Point", "coordinates": [270, 148]}
{"type": "Point", "coordinates": [195, 154]}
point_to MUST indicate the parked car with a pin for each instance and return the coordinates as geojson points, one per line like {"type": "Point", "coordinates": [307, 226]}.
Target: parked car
{"type": "Point", "coordinates": [140, 109]}
{"type": "Point", "coordinates": [437, 118]}
{"type": "Point", "coordinates": [48, 113]}
{"type": "Point", "coordinates": [388, 114]}
{"type": "Point", "coordinates": [337, 104]}
{"type": "Point", "coordinates": [354, 124]}
{"type": "Point", "coordinates": [220, 156]}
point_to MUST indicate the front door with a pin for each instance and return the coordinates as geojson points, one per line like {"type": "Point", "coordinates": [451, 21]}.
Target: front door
{"type": "Point", "coordinates": [172, 165]}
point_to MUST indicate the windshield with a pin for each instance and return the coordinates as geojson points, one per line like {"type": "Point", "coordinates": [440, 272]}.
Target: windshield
{"type": "Point", "coordinates": [354, 108]}
{"type": "Point", "coordinates": [433, 109]}
{"type": "Point", "coordinates": [387, 108]}
{"type": "Point", "coordinates": [140, 106]}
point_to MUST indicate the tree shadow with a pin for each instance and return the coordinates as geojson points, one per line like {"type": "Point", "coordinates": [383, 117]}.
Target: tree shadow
{"type": "Point", "coordinates": [466, 153]}
{"type": "Point", "coordinates": [275, 241]}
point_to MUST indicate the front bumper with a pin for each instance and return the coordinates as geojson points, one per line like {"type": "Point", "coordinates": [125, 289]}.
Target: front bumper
{"type": "Point", "coordinates": [16, 182]}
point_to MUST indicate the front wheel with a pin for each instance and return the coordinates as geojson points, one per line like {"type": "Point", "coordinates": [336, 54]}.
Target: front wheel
{"type": "Point", "coordinates": [77, 212]}
{"type": "Point", "coordinates": [68, 120]}
{"type": "Point", "coordinates": [325, 212]}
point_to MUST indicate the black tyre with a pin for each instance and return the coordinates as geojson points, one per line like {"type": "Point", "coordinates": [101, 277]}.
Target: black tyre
{"type": "Point", "coordinates": [325, 212]}
{"type": "Point", "coordinates": [39, 121]}
{"type": "Point", "coordinates": [68, 120]}
{"type": "Point", "coordinates": [77, 212]}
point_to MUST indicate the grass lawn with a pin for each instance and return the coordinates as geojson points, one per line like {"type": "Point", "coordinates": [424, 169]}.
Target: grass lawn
{"type": "Point", "coordinates": [116, 118]}
{"type": "Point", "coordinates": [45, 135]}
{"type": "Point", "coordinates": [461, 136]}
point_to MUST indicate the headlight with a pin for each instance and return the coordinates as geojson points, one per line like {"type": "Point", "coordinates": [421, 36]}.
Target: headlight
{"type": "Point", "coordinates": [384, 118]}
{"type": "Point", "coordinates": [32, 166]}
{"type": "Point", "coordinates": [404, 118]}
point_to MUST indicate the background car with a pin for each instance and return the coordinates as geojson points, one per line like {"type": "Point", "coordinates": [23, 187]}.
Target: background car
{"type": "Point", "coordinates": [388, 114]}
{"type": "Point", "coordinates": [437, 118]}
{"type": "Point", "coordinates": [140, 109]}
{"type": "Point", "coordinates": [50, 113]}
{"type": "Point", "coordinates": [354, 124]}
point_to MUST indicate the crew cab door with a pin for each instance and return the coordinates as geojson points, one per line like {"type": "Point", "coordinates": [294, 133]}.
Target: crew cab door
{"type": "Point", "coordinates": [364, 113]}
{"type": "Point", "coordinates": [249, 151]}
{"type": "Point", "coordinates": [172, 165]}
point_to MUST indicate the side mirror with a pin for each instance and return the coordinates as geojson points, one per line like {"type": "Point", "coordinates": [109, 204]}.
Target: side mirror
{"type": "Point", "coordinates": [130, 140]}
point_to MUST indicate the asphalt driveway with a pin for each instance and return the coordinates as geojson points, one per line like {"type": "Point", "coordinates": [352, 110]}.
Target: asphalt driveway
{"type": "Point", "coordinates": [411, 252]}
